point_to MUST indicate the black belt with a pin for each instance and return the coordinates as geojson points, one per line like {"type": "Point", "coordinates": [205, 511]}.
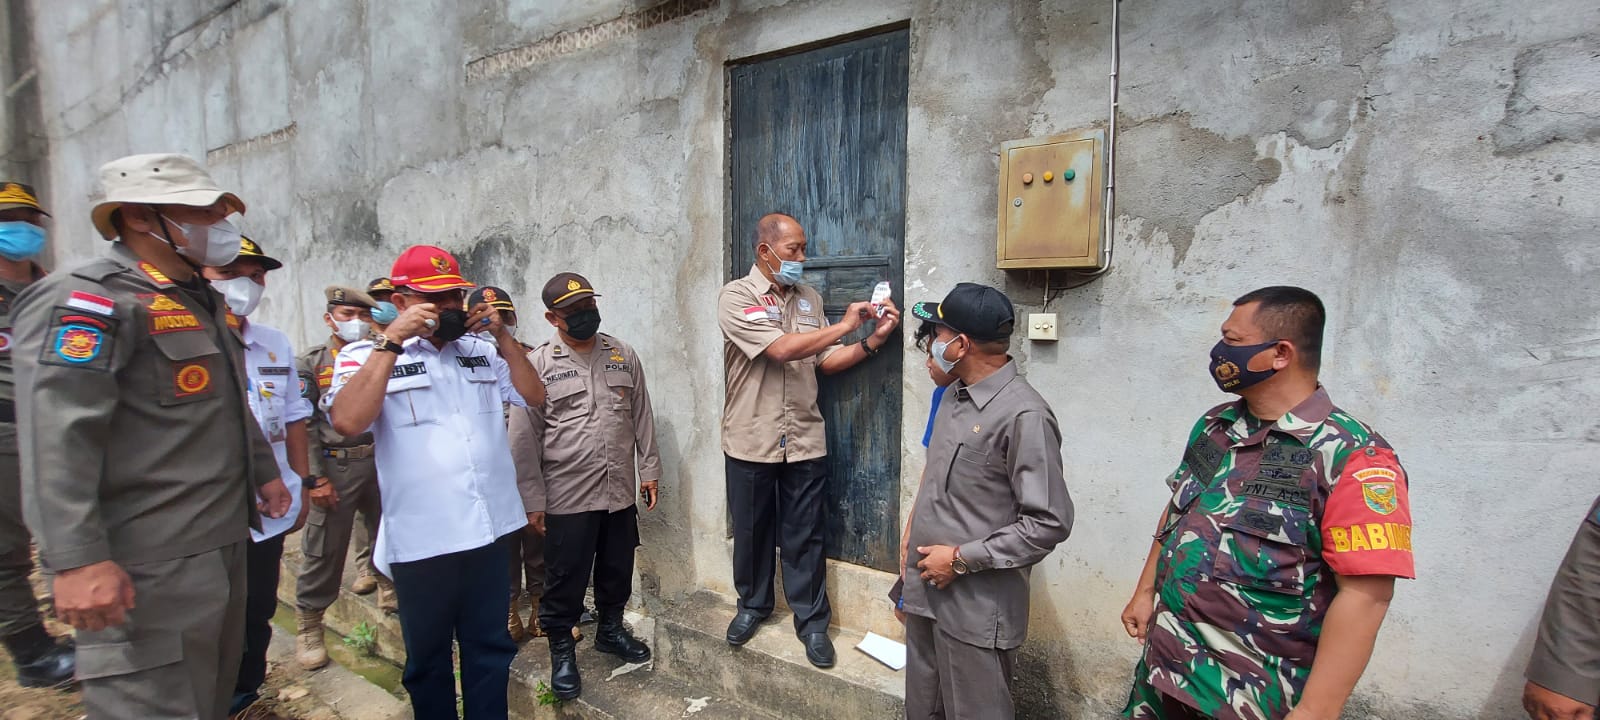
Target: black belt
{"type": "Point", "coordinates": [354, 452]}
{"type": "Point", "coordinates": [8, 411]}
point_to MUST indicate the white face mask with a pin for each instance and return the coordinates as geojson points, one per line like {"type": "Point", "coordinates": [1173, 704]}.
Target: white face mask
{"type": "Point", "coordinates": [511, 330]}
{"type": "Point", "coordinates": [948, 366]}
{"type": "Point", "coordinates": [242, 294]}
{"type": "Point", "coordinates": [350, 330]}
{"type": "Point", "coordinates": [212, 245]}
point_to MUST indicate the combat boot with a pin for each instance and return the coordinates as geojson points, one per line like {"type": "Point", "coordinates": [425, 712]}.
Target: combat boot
{"type": "Point", "coordinates": [366, 580]}
{"type": "Point", "coordinates": [514, 621]}
{"type": "Point", "coordinates": [613, 638]}
{"type": "Point", "coordinates": [308, 648]}
{"type": "Point", "coordinates": [564, 679]}
{"type": "Point", "coordinates": [387, 601]}
{"type": "Point", "coordinates": [42, 661]}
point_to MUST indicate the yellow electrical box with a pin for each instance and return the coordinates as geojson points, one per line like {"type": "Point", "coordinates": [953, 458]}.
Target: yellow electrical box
{"type": "Point", "coordinates": [1051, 190]}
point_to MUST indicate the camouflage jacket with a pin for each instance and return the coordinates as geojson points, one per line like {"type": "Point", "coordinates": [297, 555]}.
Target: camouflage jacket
{"type": "Point", "coordinates": [1261, 518]}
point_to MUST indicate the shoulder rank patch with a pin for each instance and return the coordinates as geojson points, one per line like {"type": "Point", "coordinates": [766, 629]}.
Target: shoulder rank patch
{"type": "Point", "coordinates": [78, 340]}
{"type": "Point", "coordinates": [155, 275]}
{"type": "Point", "coordinates": [233, 321]}
{"type": "Point", "coordinates": [325, 376]}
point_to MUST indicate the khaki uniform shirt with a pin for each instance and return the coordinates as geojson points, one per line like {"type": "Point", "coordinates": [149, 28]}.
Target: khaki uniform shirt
{"type": "Point", "coordinates": [1566, 658]}
{"type": "Point", "coordinates": [315, 366]}
{"type": "Point", "coordinates": [770, 413]}
{"type": "Point", "coordinates": [994, 488]}
{"type": "Point", "coordinates": [576, 452]}
{"type": "Point", "coordinates": [136, 442]}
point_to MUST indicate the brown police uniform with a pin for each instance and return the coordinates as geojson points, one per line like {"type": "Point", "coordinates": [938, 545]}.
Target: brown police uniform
{"type": "Point", "coordinates": [349, 464]}
{"type": "Point", "coordinates": [775, 443]}
{"type": "Point", "coordinates": [1566, 657]}
{"type": "Point", "coordinates": [137, 447]}
{"type": "Point", "coordinates": [575, 458]}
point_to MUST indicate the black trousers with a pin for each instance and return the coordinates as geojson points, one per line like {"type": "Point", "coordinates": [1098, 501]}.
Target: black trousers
{"type": "Point", "coordinates": [780, 505]}
{"type": "Point", "coordinates": [460, 596]}
{"type": "Point", "coordinates": [261, 602]}
{"type": "Point", "coordinates": [574, 546]}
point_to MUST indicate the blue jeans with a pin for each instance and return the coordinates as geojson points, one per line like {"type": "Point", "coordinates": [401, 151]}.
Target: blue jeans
{"type": "Point", "coordinates": [462, 597]}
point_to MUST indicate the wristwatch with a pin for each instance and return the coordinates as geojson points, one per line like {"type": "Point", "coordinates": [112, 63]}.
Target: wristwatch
{"type": "Point", "coordinates": [868, 348]}
{"type": "Point", "coordinates": [959, 564]}
{"type": "Point", "coordinates": [382, 342]}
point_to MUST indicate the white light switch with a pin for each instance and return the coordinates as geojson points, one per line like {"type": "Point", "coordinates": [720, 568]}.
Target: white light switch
{"type": "Point", "coordinates": [1042, 326]}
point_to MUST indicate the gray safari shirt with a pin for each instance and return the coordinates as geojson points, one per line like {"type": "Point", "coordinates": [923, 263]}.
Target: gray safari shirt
{"type": "Point", "coordinates": [136, 442]}
{"type": "Point", "coordinates": [994, 488]}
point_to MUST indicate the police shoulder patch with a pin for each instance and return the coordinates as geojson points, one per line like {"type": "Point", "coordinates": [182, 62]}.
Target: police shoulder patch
{"type": "Point", "coordinates": [79, 340]}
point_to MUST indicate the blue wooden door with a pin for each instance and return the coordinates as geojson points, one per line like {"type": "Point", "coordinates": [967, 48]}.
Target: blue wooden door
{"type": "Point", "coordinates": [821, 135]}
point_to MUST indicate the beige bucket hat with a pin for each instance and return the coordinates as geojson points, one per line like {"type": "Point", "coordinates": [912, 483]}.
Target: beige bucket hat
{"type": "Point", "coordinates": [156, 179]}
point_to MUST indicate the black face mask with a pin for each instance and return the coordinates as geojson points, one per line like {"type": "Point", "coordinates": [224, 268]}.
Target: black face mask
{"type": "Point", "coordinates": [1230, 365]}
{"type": "Point", "coordinates": [583, 324]}
{"type": "Point", "coordinates": [452, 325]}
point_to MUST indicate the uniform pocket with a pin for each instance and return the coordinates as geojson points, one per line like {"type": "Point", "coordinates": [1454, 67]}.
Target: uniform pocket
{"type": "Point", "coordinates": [568, 399]}
{"type": "Point", "coordinates": [189, 370]}
{"type": "Point", "coordinates": [316, 533]}
{"type": "Point", "coordinates": [620, 386]}
{"type": "Point", "coordinates": [1263, 547]}
{"type": "Point", "coordinates": [967, 462]}
{"type": "Point", "coordinates": [409, 399]}
{"type": "Point", "coordinates": [113, 659]}
{"type": "Point", "coordinates": [488, 390]}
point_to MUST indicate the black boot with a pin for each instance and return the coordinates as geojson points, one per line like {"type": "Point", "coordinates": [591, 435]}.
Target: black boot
{"type": "Point", "coordinates": [612, 637]}
{"type": "Point", "coordinates": [42, 662]}
{"type": "Point", "coordinates": [564, 679]}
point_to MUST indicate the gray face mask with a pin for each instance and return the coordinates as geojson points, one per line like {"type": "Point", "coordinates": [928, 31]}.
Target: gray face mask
{"type": "Point", "coordinates": [948, 366]}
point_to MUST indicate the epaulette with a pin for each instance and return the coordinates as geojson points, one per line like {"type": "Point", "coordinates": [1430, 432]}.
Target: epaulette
{"type": "Point", "coordinates": [97, 269]}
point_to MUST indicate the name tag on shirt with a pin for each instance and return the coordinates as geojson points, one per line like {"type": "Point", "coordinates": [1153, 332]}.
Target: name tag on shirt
{"type": "Point", "coordinates": [408, 370]}
{"type": "Point", "coordinates": [284, 371]}
{"type": "Point", "coordinates": [472, 361]}
{"type": "Point", "coordinates": [808, 320]}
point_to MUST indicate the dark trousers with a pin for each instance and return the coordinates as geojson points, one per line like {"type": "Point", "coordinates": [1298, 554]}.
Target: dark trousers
{"type": "Point", "coordinates": [576, 545]}
{"type": "Point", "coordinates": [261, 603]}
{"type": "Point", "coordinates": [780, 505]}
{"type": "Point", "coordinates": [947, 679]}
{"type": "Point", "coordinates": [19, 609]}
{"type": "Point", "coordinates": [462, 597]}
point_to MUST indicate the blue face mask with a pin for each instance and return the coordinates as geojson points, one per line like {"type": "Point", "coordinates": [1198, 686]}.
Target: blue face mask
{"type": "Point", "coordinates": [385, 313]}
{"type": "Point", "coordinates": [788, 272]}
{"type": "Point", "coordinates": [20, 240]}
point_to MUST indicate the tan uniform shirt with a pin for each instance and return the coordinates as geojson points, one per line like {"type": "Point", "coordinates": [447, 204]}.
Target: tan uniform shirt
{"type": "Point", "coordinates": [315, 366]}
{"type": "Point", "coordinates": [576, 452]}
{"type": "Point", "coordinates": [8, 295]}
{"type": "Point", "coordinates": [770, 414]}
{"type": "Point", "coordinates": [136, 442]}
{"type": "Point", "coordinates": [994, 488]}
{"type": "Point", "coordinates": [1566, 657]}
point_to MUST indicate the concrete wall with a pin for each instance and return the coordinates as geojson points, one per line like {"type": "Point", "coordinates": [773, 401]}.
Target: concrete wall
{"type": "Point", "coordinates": [1427, 166]}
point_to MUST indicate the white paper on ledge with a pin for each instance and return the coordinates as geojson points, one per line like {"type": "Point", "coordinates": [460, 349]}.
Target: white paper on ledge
{"type": "Point", "coordinates": [884, 650]}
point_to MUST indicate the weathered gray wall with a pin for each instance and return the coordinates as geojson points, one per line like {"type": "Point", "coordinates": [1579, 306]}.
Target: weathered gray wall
{"type": "Point", "coordinates": [1427, 166]}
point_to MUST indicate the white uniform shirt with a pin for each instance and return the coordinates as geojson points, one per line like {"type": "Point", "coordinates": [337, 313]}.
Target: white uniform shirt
{"type": "Point", "coordinates": [275, 399]}
{"type": "Point", "coordinates": [444, 464]}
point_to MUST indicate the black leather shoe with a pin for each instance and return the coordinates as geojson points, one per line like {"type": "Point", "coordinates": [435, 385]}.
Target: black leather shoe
{"type": "Point", "coordinates": [819, 649]}
{"type": "Point", "coordinates": [743, 627]}
{"type": "Point", "coordinates": [565, 682]}
{"type": "Point", "coordinates": [42, 661]}
{"type": "Point", "coordinates": [613, 638]}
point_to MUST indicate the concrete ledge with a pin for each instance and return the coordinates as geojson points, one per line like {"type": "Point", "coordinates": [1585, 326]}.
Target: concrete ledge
{"type": "Point", "coordinates": [771, 671]}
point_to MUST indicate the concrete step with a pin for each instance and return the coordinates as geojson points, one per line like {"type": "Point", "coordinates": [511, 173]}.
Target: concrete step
{"type": "Point", "coordinates": [771, 671]}
{"type": "Point", "coordinates": [613, 689]}
{"type": "Point", "coordinates": [618, 690]}
{"type": "Point", "coordinates": [335, 692]}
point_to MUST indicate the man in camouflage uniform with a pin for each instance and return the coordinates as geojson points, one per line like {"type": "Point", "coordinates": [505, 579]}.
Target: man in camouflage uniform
{"type": "Point", "coordinates": [342, 487]}
{"type": "Point", "coordinates": [1275, 560]}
